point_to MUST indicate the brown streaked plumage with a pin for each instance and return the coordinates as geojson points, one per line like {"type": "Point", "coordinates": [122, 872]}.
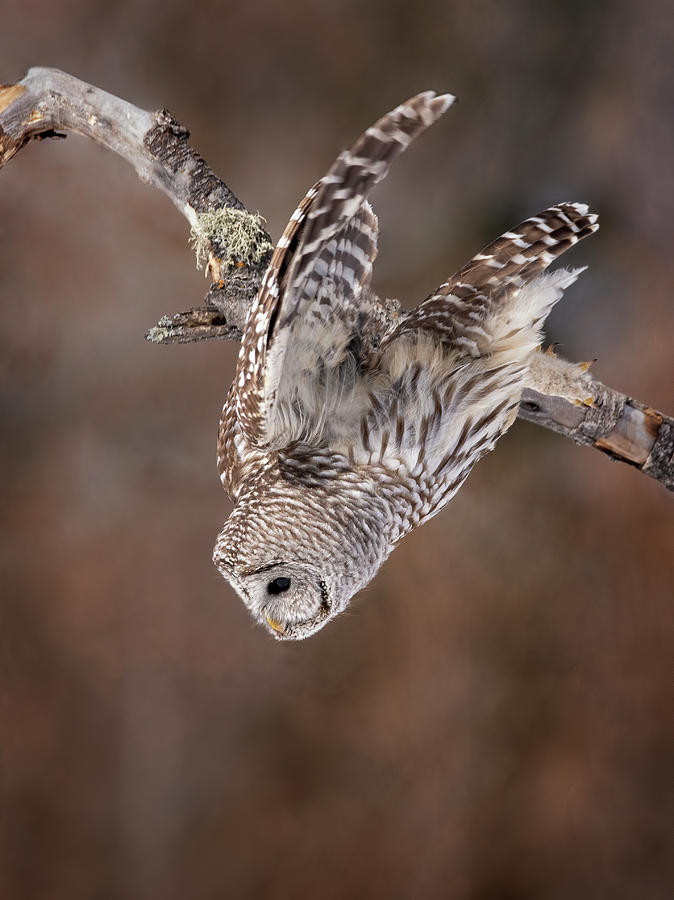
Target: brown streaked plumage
{"type": "Point", "coordinates": [332, 448]}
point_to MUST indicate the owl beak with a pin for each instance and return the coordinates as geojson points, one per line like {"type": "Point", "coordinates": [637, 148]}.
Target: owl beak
{"type": "Point", "coordinates": [275, 624]}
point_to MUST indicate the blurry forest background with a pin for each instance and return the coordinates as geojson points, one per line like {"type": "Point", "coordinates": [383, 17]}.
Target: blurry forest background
{"type": "Point", "coordinates": [489, 721]}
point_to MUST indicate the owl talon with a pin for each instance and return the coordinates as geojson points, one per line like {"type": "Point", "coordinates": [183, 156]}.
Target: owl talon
{"type": "Point", "coordinates": [551, 374]}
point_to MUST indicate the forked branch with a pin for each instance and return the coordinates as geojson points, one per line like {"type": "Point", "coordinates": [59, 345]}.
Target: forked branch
{"type": "Point", "coordinates": [48, 103]}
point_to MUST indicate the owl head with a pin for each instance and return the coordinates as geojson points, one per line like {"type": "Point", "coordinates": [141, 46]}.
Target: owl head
{"type": "Point", "coordinates": [292, 599]}
{"type": "Point", "coordinates": [297, 561]}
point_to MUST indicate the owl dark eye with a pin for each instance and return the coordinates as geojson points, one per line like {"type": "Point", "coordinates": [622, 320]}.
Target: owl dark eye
{"type": "Point", "coordinates": [278, 585]}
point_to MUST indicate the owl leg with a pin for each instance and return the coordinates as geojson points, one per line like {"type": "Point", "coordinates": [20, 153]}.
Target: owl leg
{"type": "Point", "coordinates": [550, 374]}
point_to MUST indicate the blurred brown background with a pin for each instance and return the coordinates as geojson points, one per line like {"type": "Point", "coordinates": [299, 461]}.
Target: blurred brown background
{"type": "Point", "coordinates": [489, 722]}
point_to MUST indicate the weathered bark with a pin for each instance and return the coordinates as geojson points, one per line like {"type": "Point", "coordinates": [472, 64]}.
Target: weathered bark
{"type": "Point", "coordinates": [619, 426]}
{"type": "Point", "coordinates": [47, 103]}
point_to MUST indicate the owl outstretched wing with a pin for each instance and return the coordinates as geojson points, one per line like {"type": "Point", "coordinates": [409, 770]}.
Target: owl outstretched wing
{"type": "Point", "coordinates": [491, 280]}
{"type": "Point", "coordinates": [299, 351]}
{"type": "Point", "coordinates": [442, 412]}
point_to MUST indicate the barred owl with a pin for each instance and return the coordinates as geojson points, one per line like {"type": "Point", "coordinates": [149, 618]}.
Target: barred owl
{"type": "Point", "coordinates": [334, 445]}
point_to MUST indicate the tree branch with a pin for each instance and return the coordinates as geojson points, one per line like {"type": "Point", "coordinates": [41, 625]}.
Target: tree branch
{"type": "Point", "coordinates": [619, 426]}
{"type": "Point", "coordinates": [48, 102]}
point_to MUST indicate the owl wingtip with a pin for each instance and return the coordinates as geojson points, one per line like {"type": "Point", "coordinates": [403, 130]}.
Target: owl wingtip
{"type": "Point", "coordinates": [445, 101]}
{"type": "Point", "coordinates": [439, 103]}
{"type": "Point", "coordinates": [584, 210]}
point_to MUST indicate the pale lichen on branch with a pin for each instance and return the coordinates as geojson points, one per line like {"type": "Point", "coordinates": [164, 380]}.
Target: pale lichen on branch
{"type": "Point", "coordinates": [239, 236]}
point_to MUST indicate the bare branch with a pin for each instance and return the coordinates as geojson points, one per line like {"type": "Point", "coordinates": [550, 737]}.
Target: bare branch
{"type": "Point", "coordinates": [617, 425]}
{"type": "Point", "coordinates": [48, 102]}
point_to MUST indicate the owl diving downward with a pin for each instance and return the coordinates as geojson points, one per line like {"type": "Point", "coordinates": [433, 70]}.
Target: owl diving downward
{"type": "Point", "coordinates": [335, 443]}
